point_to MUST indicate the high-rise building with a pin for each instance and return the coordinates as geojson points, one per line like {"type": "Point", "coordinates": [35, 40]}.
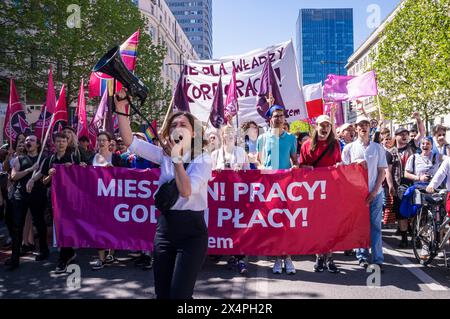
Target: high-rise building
{"type": "Point", "coordinates": [195, 17]}
{"type": "Point", "coordinates": [324, 42]}
{"type": "Point", "coordinates": [164, 28]}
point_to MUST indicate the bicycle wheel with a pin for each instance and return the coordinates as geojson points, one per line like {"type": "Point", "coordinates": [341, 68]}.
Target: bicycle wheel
{"type": "Point", "coordinates": [424, 237]}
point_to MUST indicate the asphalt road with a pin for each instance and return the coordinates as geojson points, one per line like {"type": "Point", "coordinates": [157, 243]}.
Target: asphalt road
{"type": "Point", "coordinates": [402, 278]}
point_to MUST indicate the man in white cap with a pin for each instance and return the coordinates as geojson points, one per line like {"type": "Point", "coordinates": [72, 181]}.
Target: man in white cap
{"type": "Point", "coordinates": [372, 155]}
{"type": "Point", "coordinates": [347, 134]}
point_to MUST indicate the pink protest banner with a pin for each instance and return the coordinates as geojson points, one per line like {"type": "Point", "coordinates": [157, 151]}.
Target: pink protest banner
{"type": "Point", "coordinates": [253, 213]}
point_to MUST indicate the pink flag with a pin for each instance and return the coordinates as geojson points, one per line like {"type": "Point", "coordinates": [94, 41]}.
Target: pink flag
{"type": "Point", "coordinates": [61, 117]}
{"type": "Point", "coordinates": [363, 86]}
{"type": "Point", "coordinates": [47, 109]}
{"type": "Point", "coordinates": [313, 99]}
{"type": "Point", "coordinates": [97, 121]}
{"type": "Point", "coordinates": [335, 88]}
{"type": "Point", "coordinates": [82, 129]}
{"type": "Point", "coordinates": [15, 119]}
{"type": "Point", "coordinates": [98, 83]}
{"type": "Point", "coordinates": [231, 103]}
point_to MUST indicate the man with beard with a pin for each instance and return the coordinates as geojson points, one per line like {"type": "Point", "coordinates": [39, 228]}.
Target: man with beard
{"type": "Point", "coordinates": [22, 171]}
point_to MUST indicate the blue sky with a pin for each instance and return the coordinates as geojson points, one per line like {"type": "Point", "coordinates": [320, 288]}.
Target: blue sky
{"type": "Point", "coordinates": [240, 26]}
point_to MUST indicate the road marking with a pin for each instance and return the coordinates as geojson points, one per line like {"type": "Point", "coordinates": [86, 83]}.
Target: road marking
{"type": "Point", "coordinates": [414, 269]}
{"type": "Point", "coordinates": [238, 287]}
{"type": "Point", "coordinates": [262, 282]}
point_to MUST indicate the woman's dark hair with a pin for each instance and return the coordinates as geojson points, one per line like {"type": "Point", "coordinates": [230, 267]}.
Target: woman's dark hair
{"type": "Point", "coordinates": [107, 134]}
{"type": "Point", "coordinates": [330, 140]}
{"type": "Point", "coordinates": [197, 126]}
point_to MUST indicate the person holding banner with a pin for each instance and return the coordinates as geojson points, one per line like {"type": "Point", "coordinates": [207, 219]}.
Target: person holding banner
{"type": "Point", "coordinates": [251, 134]}
{"type": "Point", "coordinates": [181, 239]}
{"type": "Point", "coordinates": [230, 156]}
{"type": "Point", "coordinates": [105, 158]}
{"type": "Point", "coordinates": [277, 149]}
{"type": "Point", "coordinates": [22, 171]}
{"type": "Point", "coordinates": [372, 156]}
{"type": "Point", "coordinates": [322, 150]}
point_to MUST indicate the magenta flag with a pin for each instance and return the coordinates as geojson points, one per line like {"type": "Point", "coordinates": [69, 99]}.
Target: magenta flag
{"type": "Point", "coordinates": [217, 115]}
{"type": "Point", "coordinates": [61, 117]}
{"type": "Point", "coordinates": [82, 129]}
{"type": "Point", "coordinates": [98, 83]}
{"type": "Point", "coordinates": [231, 103]}
{"type": "Point", "coordinates": [335, 88]}
{"type": "Point", "coordinates": [47, 110]}
{"type": "Point", "coordinates": [114, 207]}
{"type": "Point", "coordinates": [363, 86]}
{"type": "Point", "coordinates": [15, 119]}
{"type": "Point", "coordinates": [97, 121]}
{"type": "Point", "coordinates": [180, 98]}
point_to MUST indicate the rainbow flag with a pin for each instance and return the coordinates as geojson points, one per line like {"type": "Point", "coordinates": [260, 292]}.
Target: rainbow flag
{"type": "Point", "coordinates": [149, 132]}
{"type": "Point", "coordinates": [98, 82]}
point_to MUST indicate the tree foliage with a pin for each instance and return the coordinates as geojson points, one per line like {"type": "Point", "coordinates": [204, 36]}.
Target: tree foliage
{"type": "Point", "coordinates": [35, 34]}
{"type": "Point", "coordinates": [413, 60]}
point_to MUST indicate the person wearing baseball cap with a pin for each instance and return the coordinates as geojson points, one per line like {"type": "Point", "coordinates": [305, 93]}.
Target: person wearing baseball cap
{"type": "Point", "coordinates": [347, 134]}
{"type": "Point", "coordinates": [277, 149]}
{"type": "Point", "coordinates": [372, 156]}
{"type": "Point", "coordinates": [322, 150]}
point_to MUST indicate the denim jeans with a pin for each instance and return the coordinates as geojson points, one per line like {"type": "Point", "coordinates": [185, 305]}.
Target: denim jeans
{"type": "Point", "coordinates": [376, 207]}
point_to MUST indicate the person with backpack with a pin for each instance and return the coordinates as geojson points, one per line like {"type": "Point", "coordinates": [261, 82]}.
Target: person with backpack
{"type": "Point", "coordinates": [24, 198]}
{"type": "Point", "coordinates": [421, 168]}
{"type": "Point", "coordinates": [322, 150]}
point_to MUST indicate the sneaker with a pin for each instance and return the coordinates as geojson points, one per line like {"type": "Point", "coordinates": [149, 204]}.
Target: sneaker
{"type": "Point", "coordinates": [232, 263]}
{"type": "Point", "coordinates": [424, 252]}
{"type": "Point", "coordinates": [61, 267]}
{"type": "Point", "coordinates": [25, 249]}
{"type": "Point", "coordinates": [289, 266]}
{"type": "Point", "coordinates": [148, 262]}
{"type": "Point", "coordinates": [42, 256]}
{"type": "Point", "coordinates": [331, 267]}
{"type": "Point", "coordinates": [278, 266]}
{"type": "Point", "coordinates": [363, 263]}
{"type": "Point", "coordinates": [98, 264]}
{"type": "Point", "coordinates": [242, 267]}
{"type": "Point", "coordinates": [140, 261]}
{"type": "Point", "coordinates": [110, 259]}
{"type": "Point", "coordinates": [319, 266]}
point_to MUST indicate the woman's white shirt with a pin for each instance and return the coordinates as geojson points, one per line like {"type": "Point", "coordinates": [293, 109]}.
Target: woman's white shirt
{"type": "Point", "coordinates": [199, 172]}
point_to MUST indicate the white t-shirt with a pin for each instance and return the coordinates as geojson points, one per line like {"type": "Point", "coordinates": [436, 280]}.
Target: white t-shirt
{"type": "Point", "coordinates": [374, 154]}
{"type": "Point", "coordinates": [100, 161]}
{"type": "Point", "coordinates": [199, 172]}
{"type": "Point", "coordinates": [238, 159]}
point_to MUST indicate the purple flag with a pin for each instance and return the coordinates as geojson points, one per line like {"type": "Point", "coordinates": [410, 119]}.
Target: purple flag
{"type": "Point", "coordinates": [362, 86]}
{"type": "Point", "coordinates": [268, 86]}
{"type": "Point", "coordinates": [335, 88]}
{"type": "Point", "coordinates": [180, 100]}
{"type": "Point", "coordinates": [217, 116]}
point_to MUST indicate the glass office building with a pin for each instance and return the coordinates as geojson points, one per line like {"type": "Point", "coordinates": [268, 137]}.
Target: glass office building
{"type": "Point", "coordinates": [195, 17]}
{"type": "Point", "coordinates": [324, 42]}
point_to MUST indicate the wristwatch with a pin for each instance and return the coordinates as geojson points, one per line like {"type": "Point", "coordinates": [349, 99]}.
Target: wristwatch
{"type": "Point", "coordinates": [177, 159]}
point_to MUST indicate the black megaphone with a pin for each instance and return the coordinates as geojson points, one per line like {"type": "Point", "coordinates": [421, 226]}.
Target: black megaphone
{"type": "Point", "coordinates": [112, 64]}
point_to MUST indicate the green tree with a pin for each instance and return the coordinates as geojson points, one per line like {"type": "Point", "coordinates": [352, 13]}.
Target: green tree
{"type": "Point", "coordinates": [35, 34]}
{"type": "Point", "coordinates": [300, 126]}
{"type": "Point", "coordinates": [413, 59]}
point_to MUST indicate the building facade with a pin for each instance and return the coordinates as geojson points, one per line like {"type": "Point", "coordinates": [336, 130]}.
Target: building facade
{"type": "Point", "coordinates": [164, 28]}
{"type": "Point", "coordinates": [324, 42]}
{"type": "Point", "coordinates": [195, 17]}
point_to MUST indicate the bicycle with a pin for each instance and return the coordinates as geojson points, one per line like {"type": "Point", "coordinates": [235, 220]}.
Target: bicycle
{"type": "Point", "coordinates": [429, 226]}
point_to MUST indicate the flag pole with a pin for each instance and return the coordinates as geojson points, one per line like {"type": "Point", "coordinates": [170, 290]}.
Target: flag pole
{"type": "Point", "coordinates": [43, 144]}
{"type": "Point", "coordinates": [169, 110]}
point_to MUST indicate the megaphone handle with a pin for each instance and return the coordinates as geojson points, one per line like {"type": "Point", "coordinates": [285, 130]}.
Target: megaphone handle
{"type": "Point", "coordinates": [136, 110]}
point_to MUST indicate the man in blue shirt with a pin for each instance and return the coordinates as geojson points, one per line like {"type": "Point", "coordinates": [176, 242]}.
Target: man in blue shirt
{"type": "Point", "coordinates": [277, 149]}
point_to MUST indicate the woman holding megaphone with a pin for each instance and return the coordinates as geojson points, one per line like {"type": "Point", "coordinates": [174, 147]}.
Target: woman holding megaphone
{"type": "Point", "coordinates": [181, 239]}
